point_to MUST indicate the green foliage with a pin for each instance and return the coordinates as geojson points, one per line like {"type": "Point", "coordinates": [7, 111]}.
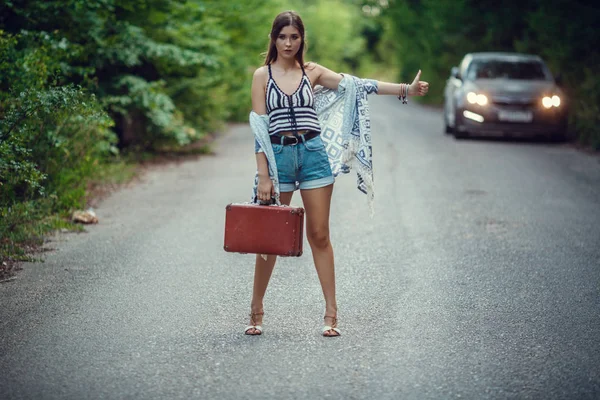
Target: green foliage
{"type": "Point", "coordinates": [155, 106]}
{"type": "Point", "coordinates": [169, 70]}
{"type": "Point", "coordinates": [50, 140]}
{"type": "Point", "coordinates": [573, 52]}
{"type": "Point", "coordinates": [44, 131]}
{"type": "Point", "coordinates": [337, 44]}
{"type": "Point", "coordinates": [51, 136]}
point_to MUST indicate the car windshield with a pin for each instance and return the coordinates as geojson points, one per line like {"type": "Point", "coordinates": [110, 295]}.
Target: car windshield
{"type": "Point", "coordinates": [500, 69]}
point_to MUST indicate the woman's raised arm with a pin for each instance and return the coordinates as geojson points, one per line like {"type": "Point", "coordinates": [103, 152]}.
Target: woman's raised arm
{"type": "Point", "coordinates": [416, 88]}
{"type": "Point", "coordinates": [331, 80]}
{"type": "Point", "coordinates": [327, 78]}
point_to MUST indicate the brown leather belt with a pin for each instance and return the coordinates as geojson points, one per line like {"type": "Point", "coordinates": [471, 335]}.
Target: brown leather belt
{"type": "Point", "coordinates": [292, 140]}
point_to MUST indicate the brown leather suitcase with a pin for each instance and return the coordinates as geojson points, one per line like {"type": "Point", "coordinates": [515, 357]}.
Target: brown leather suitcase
{"type": "Point", "coordinates": [264, 229]}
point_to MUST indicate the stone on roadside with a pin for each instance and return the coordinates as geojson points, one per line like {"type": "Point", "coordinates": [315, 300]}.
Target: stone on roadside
{"type": "Point", "coordinates": [85, 217]}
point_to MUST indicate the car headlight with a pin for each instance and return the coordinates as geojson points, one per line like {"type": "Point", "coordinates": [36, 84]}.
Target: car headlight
{"type": "Point", "coordinates": [549, 102]}
{"type": "Point", "coordinates": [475, 98]}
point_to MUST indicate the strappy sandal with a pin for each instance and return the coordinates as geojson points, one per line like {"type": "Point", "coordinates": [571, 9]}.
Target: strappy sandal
{"type": "Point", "coordinates": [257, 328]}
{"type": "Point", "coordinates": [332, 327]}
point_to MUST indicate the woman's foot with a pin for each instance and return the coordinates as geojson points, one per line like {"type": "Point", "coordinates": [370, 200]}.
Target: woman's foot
{"type": "Point", "coordinates": [330, 329]}
{"type": "Point", "coordinates": [255, 327]}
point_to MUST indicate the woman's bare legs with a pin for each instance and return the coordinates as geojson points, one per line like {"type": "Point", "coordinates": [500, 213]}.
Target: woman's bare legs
{"type": "Point", "coordinates": [262, 274]}
{"type": "Point", "coordinates": [317, 203]}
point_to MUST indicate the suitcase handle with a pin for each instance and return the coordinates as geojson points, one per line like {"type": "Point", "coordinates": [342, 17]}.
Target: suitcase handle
{"type": "Point", "coordinates": [273, 200]}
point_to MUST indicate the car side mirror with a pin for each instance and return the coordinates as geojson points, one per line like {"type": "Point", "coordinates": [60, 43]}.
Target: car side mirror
{"type": "Point", "coordinates": [558, 79]}
{"type": "Point", "coordinates": [454, 73]}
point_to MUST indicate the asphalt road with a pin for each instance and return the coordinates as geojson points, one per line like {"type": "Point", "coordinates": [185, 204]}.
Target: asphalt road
{"type": "Point", "coordinates": [478, 277]}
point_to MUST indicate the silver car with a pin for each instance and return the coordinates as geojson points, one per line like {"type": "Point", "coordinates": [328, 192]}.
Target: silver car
{"type": "Point", "coordinates": [504, 94]}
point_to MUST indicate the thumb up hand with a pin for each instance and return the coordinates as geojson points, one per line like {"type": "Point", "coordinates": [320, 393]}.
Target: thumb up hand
{"type": "Point", "coordinates": [418, 87]}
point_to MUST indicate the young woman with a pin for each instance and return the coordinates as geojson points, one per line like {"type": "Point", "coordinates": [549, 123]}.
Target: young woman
{"type": "Point", "coordinates": [282, 89]}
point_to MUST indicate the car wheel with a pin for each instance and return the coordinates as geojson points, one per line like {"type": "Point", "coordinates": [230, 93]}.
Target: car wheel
{"type": "Point", "coordinates": [447, 127]}
{"type": "Point", "coordinates": [459, 133]}
{"type": "Point", "coordinates": [559, 137]}
{"type": "Point", "coordinates": [562, 135]}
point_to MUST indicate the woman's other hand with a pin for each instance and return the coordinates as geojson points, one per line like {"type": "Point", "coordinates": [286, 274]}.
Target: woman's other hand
{"type": "Point", "coordinates": [265, 189]}
{"type": "Point", "coordinates": [418, 87]}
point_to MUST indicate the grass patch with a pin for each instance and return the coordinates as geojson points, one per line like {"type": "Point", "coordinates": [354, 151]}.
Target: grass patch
{"type": "Point", "coordinates": [24, 225]}
{"type": "Point", "coordinates": [26, 239]}
{"type": "Point", "coordinates": [115, 173]}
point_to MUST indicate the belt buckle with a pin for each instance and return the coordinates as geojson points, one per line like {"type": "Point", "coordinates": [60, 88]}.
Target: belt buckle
{"type": "Point", "coordinates": [297, 141]}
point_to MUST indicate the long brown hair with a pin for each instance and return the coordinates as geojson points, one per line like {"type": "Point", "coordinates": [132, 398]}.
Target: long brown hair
{"type": "Point", "coordinates": [282, 20]}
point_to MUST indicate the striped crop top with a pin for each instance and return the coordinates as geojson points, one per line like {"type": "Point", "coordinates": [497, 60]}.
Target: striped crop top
{"type": "Point", "coordinates": [291, 113]}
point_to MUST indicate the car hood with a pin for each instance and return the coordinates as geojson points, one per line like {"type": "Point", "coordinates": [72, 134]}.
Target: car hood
{"type": "Point", "coordinates": [511, 88]}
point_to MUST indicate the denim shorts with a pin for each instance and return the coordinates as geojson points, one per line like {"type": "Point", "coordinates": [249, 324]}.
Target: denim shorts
{"type": "Point", "coordinates": [302, 166]}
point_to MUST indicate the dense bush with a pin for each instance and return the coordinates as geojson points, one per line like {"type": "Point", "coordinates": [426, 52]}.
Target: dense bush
{"type": "Point", "coordinates": [52, 134]}
{"type": "Point", "coordinates": [163, 69]}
